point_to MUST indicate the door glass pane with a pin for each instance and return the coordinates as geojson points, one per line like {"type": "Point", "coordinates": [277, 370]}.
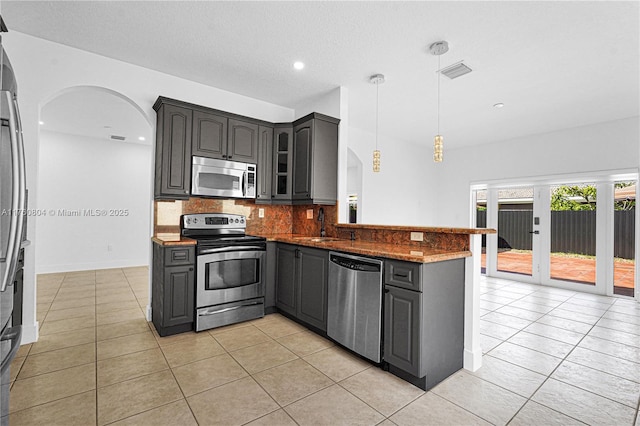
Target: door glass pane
{"type": "Point", "coordinates": [281, 184]}
{"type": "Point", "coordinates": [282, 163]}
{"type": "Point", "coordinates": [481, 222]}
{"type": "Point", "coordinates": [573, 233]}
{"type": "Point", "coordinates": [624, 225]}
{"type": "Point", "coordinates": [515, 224]}
{"type": "Point", "coordinates": [283, 142]}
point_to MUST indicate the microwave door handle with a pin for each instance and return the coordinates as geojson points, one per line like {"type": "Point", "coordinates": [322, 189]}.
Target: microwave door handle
{"type": "Point", "coordinates": [244, 184]}
{"type": "Point", "coordinates": [17, 196]}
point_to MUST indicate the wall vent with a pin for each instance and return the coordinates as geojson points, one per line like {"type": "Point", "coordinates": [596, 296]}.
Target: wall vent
{"type": "Point", "coordinates": [455, 70]}
{"type": "Point", "coordinates": [118, 138]}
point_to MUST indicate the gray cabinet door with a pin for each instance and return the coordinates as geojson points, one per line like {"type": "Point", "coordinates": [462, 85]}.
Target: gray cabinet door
{"type": "Point", "coordinates": [173, 139]}
{"type": "Point", "coordinates": [402, 329]}
{"type": "Point", "coordinates": [313, 267]}
{"type": "Point", "coordinates": [302, 152]}
{"type": "Point", "coordinates": [282, 163]}
{"type": "Point", "coordinates": [178, 295]}
{"type": "Point", "coordinates": [265, 156]}
{"type": "Point", "coordinates": [286, 278]}
{"type": "Point", "coordinates": [242, 144]}
{"type": "Point", "coordinates": [209, 135]}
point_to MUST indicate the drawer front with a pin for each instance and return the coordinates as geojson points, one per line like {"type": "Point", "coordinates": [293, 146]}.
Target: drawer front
{"type": "Point", "coordinates": [402, 274]}
{"type": "Point", "coordinates": [179, 256]}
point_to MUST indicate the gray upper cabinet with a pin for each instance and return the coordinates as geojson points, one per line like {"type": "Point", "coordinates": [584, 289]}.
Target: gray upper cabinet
{"type": "Point", "coordinates": [242, 142]}
{"type": "Point", "coordinates": [315, 160]}
{"type": "Point", "coordinates": [297, 162]}
{"type": "Point", "coordinates": [265, 165]}
{"type": "Point", "coordinates": [173, 152]}
{"type": "Point", "coordinates": [209, 134]}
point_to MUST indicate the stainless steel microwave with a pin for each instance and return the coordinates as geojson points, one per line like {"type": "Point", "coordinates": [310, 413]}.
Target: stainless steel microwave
{"type": "Point", "coordinates": [220, 178]}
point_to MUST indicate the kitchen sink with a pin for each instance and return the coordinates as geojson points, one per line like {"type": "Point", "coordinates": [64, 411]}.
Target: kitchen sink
{"type": "Point", "coordinates": [317, 239]}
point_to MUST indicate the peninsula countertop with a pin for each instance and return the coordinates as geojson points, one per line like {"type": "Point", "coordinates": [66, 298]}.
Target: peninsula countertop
{"type": "Point", "coordinates": [369, 248]}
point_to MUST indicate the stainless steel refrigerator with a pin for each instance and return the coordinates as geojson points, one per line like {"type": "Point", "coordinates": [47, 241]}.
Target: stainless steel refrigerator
{"type": "Point", "coordinates": [12, 221]}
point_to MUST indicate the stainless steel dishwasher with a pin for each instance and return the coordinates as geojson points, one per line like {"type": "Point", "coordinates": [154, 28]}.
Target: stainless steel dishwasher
{"type": "Point", "coordinates": [354, 306]}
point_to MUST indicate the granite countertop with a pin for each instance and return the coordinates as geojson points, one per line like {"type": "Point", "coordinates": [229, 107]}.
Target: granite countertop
{"type": "Point", "coordinates": [173, 239]}
{"type": "Point", "coordinates": [369, 248]}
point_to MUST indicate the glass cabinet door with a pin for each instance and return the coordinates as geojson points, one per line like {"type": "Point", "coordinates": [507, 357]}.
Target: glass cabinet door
{"type": "Point", "coordinates": [282, 163]}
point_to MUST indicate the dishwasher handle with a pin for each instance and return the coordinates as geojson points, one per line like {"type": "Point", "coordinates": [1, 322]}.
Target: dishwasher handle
{"type": "Point", "coordinates": [356, 263]}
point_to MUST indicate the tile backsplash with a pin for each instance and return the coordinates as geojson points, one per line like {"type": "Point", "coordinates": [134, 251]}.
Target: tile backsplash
{"type": "Point", "coordinates": [278, 219]}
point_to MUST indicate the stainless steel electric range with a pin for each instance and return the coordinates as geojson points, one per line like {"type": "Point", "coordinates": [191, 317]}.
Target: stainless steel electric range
{"type": "Point", "coordinates": [230, 269]}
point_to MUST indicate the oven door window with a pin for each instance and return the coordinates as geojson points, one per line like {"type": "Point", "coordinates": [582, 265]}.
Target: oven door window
{"type": "Point", "coordinates": [231, 273]}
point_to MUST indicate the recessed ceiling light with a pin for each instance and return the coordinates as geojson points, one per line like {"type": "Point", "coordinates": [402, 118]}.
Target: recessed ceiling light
{"type": "Point", "coordinates": [498, 105]}
{"type": "Point", "coordinates": [142, 138]}
{"type": "Point", "coordinates": [41, 123]}
{"type": "Point", "coordinates": [298, 65]}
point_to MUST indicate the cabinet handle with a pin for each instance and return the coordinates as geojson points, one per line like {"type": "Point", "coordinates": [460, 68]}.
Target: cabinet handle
{"type": "Point", "coordinates": [400, 275]}
{"type": "Point", "coordinates": [224, 156]}
{"type": "Point", "coordinates": [229, 157]}
{"type": "Point", "coordinates": [190, 269]}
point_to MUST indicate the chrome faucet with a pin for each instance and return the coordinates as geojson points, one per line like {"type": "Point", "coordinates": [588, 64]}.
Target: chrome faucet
{"type": "Point", "coordinates": [321, 219]}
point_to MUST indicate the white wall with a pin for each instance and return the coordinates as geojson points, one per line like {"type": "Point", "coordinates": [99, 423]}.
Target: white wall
{"type": "Point", "coordinates": [44, 69]}
{"type": "Point", "coordinates": [588, 149]}
{"type": "Point", "coordinates": [81, 174]}
{"type": "Point", "coordinates": [403, 192]}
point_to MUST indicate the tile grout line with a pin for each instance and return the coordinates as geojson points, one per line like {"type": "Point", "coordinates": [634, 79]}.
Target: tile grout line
{"type": "Point", "coordinates": [554, 370]}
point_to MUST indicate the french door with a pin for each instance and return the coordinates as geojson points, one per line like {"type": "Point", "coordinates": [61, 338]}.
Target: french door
{"type": "Point", "coordinates": [570, 235]}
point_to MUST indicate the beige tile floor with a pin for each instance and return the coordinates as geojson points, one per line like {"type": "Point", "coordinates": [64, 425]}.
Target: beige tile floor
{"type": "Point", "coordinates": [551, 357]}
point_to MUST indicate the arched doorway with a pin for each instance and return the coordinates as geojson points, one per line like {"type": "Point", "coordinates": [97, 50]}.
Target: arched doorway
{"type": "Point", "coordinates": [94, 182]}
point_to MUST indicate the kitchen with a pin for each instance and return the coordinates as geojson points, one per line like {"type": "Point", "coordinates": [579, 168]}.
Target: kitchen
{"type": "Point", "coordinates": [401, 165]}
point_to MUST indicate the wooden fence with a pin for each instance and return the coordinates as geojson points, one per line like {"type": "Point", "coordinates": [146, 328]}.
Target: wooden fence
{"type": "Point", "coordinates": [571, 231]}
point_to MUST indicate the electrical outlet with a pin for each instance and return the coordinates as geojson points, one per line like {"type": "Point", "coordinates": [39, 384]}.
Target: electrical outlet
{"type": "Point", "coordinates": [109, 247]}
{"type": "Point", "coordinates": [309, 213]}
{"type": "Point", "coordinates": [417, 236]}
{"type": "Point", "coordinates": [260, 212]}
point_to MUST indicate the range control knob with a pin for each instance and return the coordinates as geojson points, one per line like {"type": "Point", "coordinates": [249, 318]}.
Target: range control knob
{"type": "Point", "coordinates": [195, 220]}
{"type": "Point", "coordinates": [188, 221]}
{"type": "Point", "coordinates": [237, 220]}
{"type": "Point", "coordinates": [242, 220]}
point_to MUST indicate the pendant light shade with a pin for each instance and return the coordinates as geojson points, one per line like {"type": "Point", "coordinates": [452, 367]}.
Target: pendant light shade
{"type": "Point", "coordinates": [438, 48]}
{"type": "Point", "coordinates": [437, 149]}
{"type": "Point", "coordinates": [376, 79]}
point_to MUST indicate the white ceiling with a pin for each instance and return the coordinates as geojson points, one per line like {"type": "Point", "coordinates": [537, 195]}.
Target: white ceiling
{"type": "Point", "coordinates": [554, 65]}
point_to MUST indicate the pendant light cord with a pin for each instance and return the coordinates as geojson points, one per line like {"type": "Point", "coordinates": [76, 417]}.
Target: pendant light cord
{"type": "Point", "coordinates": [377, 106]}
{"type": "Point", "coordinates": [438, 94]}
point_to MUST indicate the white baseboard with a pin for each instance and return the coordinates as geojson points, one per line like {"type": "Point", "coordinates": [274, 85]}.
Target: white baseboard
{"type": "Point", "coordinates": [472, 360]}
{"type": "Point", "coordinates": [29, 334]}
{"type": "Point", "coordinates": [148, 312]}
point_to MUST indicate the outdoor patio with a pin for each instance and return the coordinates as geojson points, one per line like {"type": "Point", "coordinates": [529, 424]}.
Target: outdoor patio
{"type": "Point", "coordinates": [568, 268]}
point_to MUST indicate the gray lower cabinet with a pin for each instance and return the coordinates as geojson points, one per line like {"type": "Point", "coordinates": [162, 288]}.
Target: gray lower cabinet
{"type": "Point", "coordinates": [173, 289]}
{"type": "Point", "coordinates": [270, 286]}
{"type": "Point", "coordinates": [424, 320]}
{"type": "Point", "coordinates": [301, 283]}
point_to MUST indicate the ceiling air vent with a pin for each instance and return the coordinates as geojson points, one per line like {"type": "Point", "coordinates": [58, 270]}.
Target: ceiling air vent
{"type": "Point", "coordinates": [455, 70]}
{"type": "Point", "coordinates": [118, 138]}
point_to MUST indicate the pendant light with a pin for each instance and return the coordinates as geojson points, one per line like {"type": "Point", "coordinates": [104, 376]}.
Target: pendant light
{"type": "Point", "coordinates": [438, 48]}
{"type": "Point", "coordinates": [376, 79]}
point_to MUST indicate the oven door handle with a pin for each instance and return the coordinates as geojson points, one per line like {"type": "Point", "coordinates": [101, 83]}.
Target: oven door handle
{"type": "Point", "coordinates": [230, 248]}
{"type": "Point", "coordinates": [209, 312]}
